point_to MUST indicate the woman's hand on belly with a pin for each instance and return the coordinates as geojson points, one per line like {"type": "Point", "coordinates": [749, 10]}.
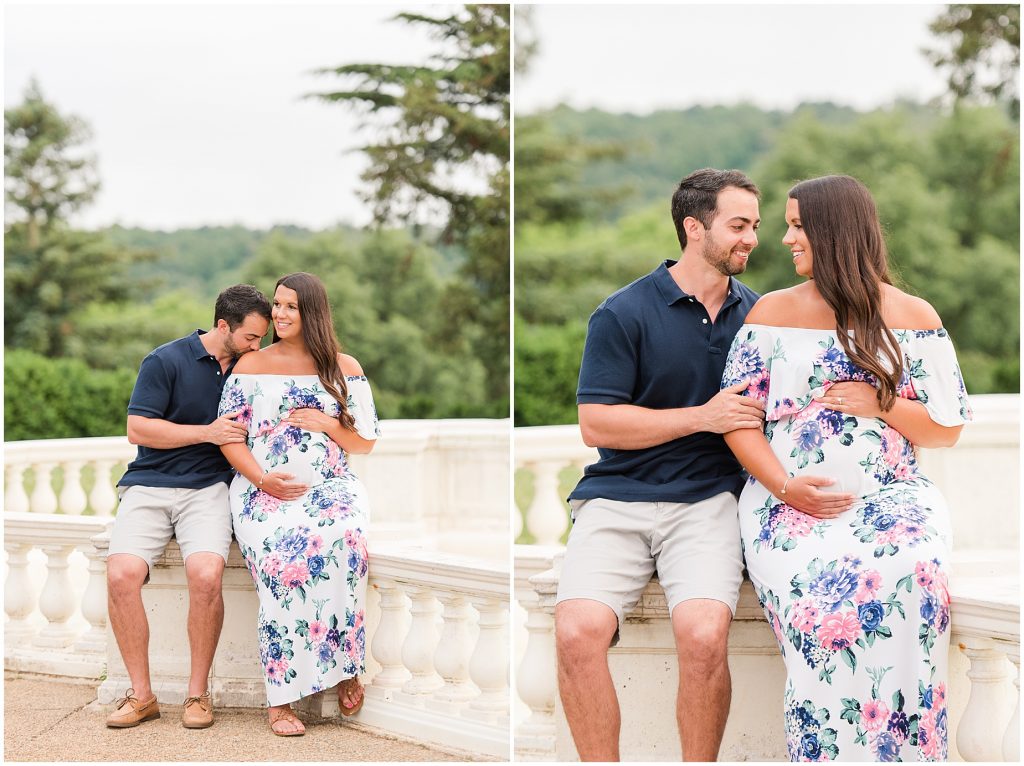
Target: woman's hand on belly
{"type": "Point", "coordinates": [311, 419]}
{"type": "Point", "coordinates": [805, 494]}
{"type": "Point", "coordinates": [283, 486]}
{"type": "Point", "coordinates": [853, 398]}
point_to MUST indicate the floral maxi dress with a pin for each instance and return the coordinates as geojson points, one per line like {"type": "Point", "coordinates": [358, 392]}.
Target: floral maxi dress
{"type": "Point", "coordinates": [860, 603]}
{"type": "Point", "coordinates": [307, 556]}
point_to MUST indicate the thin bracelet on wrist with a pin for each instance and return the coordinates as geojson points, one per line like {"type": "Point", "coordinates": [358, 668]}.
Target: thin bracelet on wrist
{"type": "Point", "coordinates": [260, 484]}
{"type": "Point", "coordinates": [784, 485]}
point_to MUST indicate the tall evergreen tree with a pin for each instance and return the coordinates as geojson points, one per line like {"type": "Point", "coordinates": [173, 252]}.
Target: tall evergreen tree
{"type": "Point", "coordinates": [981, 51]}
{"type": "Point", "coordinates": [445, 147]}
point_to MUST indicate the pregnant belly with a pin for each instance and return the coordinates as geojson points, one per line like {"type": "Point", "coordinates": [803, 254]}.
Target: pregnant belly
{"type": "Point", "coordinates": [860, 454]}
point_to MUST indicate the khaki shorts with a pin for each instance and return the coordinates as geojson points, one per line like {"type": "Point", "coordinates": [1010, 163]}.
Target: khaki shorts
{"type": "Point", "coordinates": [616, 546]}
{"type": "Point", "coordinates": [147, 518]}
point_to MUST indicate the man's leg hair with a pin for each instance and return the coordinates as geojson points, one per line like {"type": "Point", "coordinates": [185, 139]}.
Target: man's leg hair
{"type": "Point", "coordinates": [583, 633]}
{"type": "Point", "coordinates": [204, 572]}
{"type": "Point", "coordinates": [701, 629]}
{"type": "Point", "coordinates": [126, 574]}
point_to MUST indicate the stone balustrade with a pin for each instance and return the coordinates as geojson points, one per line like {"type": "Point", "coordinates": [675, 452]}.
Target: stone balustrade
{"type": "Point", "coordinates": [983, 700]}
{"type": "Point", "coordinates": [448, 468]}
{"type": "Point", "coordinates": [437, 620]}
{"type": "Point", "coordinates": [437, 632]}
{"type": "Point", "coordinates": [988, 452]}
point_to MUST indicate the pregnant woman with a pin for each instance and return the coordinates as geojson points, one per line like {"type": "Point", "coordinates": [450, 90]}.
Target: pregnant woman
{"type": "Point", "coordinates": [846, 541]}
{"type": "Point", "coordinates": [299, 514]}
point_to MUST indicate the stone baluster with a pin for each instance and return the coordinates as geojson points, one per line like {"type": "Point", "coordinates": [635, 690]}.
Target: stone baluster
{"type": "Point", "coordinates": [420, 643]}
{"type": "Point", "coordinates": [72, 496]}
{"type": "Point", "coordinates": [386, 645]}
{"type": "Point", "coordinates": [546, 518]}
{"type": "Point", "coordinates": [19, 595]}
{"type": "Point", "coordinates": [57, 599]}
{"type": "Point", "coordinates": [488, 667]}
{"type": "Point", "coordinates": [1011, 739]}
{"type": "Point", "coordinates": [103, 498]}
{"type": "Point", "coordinates": [979, 737]}
{"type": "Point", "coordinates": [451, 659]}
{"type": "Point", "coordinates": [15, 499]}
{"type": "Point", "coordinates": [43, 499]}
{"type": "Point", "coordinates": [535, 682]}
{"type": "Point", "coordinates": [94, 600]}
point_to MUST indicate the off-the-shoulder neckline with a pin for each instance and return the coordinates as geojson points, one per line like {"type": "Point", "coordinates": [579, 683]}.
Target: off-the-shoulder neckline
{"type": "Point", "coordinates": [294, 375]}
{"type": "Point", "coordinates": [832, 330]}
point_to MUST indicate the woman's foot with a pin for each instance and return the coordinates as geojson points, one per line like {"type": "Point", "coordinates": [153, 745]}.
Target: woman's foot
{"type": "Point", "coordinates": [350, 696]}
{"type": "Point", "coordinates": [284, 723]}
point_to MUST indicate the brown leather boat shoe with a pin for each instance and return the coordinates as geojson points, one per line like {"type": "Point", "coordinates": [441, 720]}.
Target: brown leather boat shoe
{"type": "Point", "coordinates": [130, 711]}
{"type": "Point", "coordinates": [198, 712]}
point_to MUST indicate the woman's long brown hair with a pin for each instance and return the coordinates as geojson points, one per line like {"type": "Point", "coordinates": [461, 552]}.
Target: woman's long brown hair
{"type": "Point", "coordinates": [850, 266]}
{"type": "Point", "coordinates": [318, 335]}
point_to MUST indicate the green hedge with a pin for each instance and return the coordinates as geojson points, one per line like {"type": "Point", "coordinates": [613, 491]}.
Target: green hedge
{"type": "Point", "coordinates": [62, 398]}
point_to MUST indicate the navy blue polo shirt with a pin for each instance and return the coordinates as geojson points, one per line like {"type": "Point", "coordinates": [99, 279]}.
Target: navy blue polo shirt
{"type": "Point", "coordinates": [652, 345]}
{"type": "Point", "coordinates": [180, 382]}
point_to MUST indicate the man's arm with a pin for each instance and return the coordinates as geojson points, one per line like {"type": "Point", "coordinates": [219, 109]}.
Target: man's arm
{"type": "Point", "coordinates": [163, 434]}
{"type": "Point", "coordinates": [628, 427]}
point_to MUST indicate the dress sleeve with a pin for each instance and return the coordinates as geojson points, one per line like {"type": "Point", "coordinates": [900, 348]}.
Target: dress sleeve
{"type": "Point", "coordinates": [750, 358]}
{"type": "Point", "coordinates": [360, 404]}
{"type": "Point", "coordinates": [237, 396]}
{"type": "Point", "coordinates": [935, 377]}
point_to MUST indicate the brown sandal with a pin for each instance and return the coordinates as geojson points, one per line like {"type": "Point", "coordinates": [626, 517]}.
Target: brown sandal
{"type": "Point", "coordinates": [286, 714]}
{"type": "Point", "coordinates": [346, 687]}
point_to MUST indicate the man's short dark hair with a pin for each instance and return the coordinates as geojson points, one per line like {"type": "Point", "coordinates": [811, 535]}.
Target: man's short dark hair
{"type": "Point", "coordinates": [697, 196]}
{"type": "Point", "coordinates": [236, 303]}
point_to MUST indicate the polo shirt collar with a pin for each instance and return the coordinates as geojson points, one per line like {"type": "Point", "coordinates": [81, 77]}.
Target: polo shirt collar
{"type": "Point", "coordinates": [672, 293]}
{"type": "Point", "coordinates": [198, 349]}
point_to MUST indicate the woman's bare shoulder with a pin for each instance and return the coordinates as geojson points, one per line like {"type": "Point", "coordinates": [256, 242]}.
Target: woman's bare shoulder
{"type": "Point", "coordinates": [253, 362]}
{"type": "Point", "coordinates": [778, 308]}
{"type": "Point", "coordinates": [908, 312]}
{"type": "Point", "coordinates": [349, 365]}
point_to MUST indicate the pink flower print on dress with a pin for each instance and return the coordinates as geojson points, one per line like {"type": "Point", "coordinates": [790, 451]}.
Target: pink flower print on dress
{"type": "Point", "coordinates": [931, 745]}
{"type": "Point", "coordinates": [874, 715]}
{"type": "Point", "coordinates": [272, 564]}
{"type": "Point", "coordinates": [838, 631]}
{"type": "Point", "coordinates": [317, 631]}
{"type": "Point", "coordinates": [804, 615]}
{"type": "Point", "coordinates": [797, 524]}
{"type": "Point", "coordinates": [870, 582]}
{"type": "Point", "coordinates": [315, 545]}
{"type": "Point", "coordinates": [295, 574]}
{"type": "Point", "coordinates": [924, 574]}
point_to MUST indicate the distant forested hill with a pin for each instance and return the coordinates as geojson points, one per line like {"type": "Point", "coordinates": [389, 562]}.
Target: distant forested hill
{"type": "Point", "coordinates": [663, 146]}
{"type": "Point", "coordinates": [205, 260]}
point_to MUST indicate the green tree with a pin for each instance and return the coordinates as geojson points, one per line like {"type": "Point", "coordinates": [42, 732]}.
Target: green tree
{"type": "Point", "coordinates": [980, 48]}
{"type": "Point", "coordinates": [446, 146]}
{"type": "Point", "coordinates": [47, 173]}
{"type": "Point", "coordinates": [50, 270]}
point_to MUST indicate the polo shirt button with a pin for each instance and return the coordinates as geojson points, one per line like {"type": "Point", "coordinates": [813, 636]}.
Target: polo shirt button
{"type": "Point", "coordinates": [691, 300]}
{"type": "Point", "coordinates": [704, 321]}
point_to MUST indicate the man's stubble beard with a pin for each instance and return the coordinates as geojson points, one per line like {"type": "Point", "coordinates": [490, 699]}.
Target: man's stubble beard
{"type": "Point", "coordinates": [719, 260]}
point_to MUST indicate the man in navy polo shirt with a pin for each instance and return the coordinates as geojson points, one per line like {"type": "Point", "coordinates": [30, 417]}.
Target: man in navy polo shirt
{"type": "Point", "coordinates": [177, 485]}
{"type": "Point", "coordinates": [662, 497]}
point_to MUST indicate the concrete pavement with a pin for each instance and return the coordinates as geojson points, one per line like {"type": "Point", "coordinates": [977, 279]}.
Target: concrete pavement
{"type": "Point", "coordinates": [54, 720]}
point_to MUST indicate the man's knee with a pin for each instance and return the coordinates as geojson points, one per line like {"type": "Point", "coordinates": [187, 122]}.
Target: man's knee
{"type": "Point", "coordinates": [126, 574]}
{"type": "Point", "coordinates": [702, 636]}
{"type": "Point", "coordinates": [205, 575]}
{"type": "Point", "coordinates": [583, 630]}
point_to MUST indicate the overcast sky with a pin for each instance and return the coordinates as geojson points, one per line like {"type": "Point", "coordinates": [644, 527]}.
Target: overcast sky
{"type": "Point", "coordinates": [644, 57]}
{"type": "Point", "coordinates": [196, 111]}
